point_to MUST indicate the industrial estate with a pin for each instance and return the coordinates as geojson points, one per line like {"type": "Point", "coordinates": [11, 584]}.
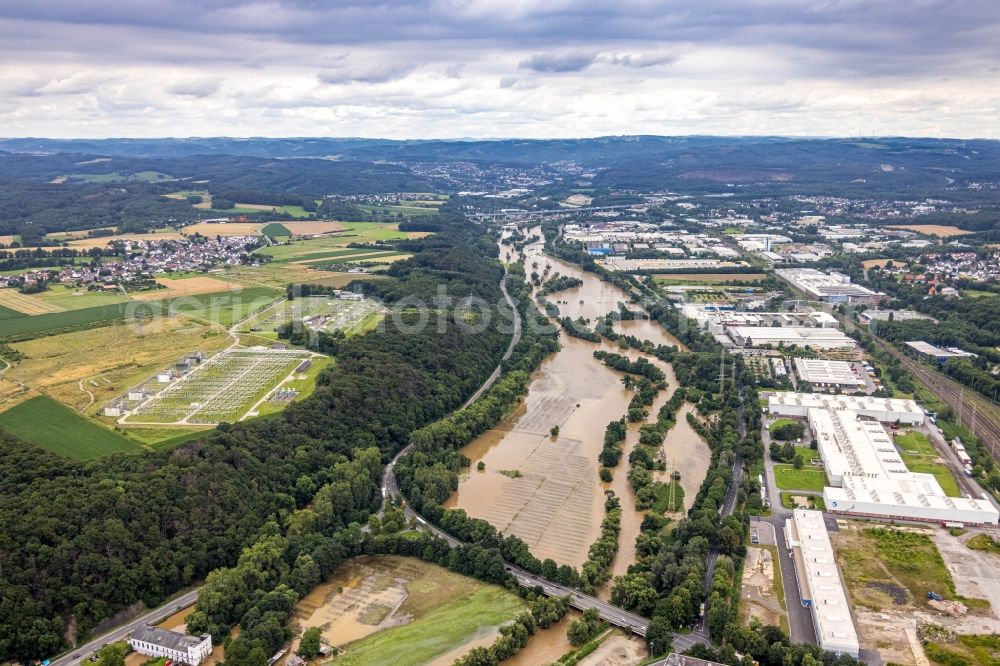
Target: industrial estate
{"type": "Point", "coordinates": [514, 412]}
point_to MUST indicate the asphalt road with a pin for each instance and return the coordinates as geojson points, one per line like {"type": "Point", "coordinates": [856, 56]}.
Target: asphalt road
{"type": "Point", "coordinates": [83, 652]}
{"type": "Point", "coordinates": [800, 625]}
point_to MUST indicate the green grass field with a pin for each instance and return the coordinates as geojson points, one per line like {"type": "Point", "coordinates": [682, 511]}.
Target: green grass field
{"type": "Point", "coordinates": [916, 442]}
{"type": "Point", "coordinates": [220, 307]}
{"type": "Point", "coordinates": [789, 478]}
{"type": "Point", "coordinates": [781, 422]}
{"type": "Point", "coordinates": [911, 560]}
{"type": "Point", "coordinates": [276, 230]}
{"type": "Point", "coordinates": [975, 650]}
{"type": "Point", "coordinates": [71, 298]}
{"type": "Point", "coordinates": [305, 386]}
{"type": "Point", "coordinates": [163, 438]}
{"type": "Point", "coordinates": [437, 632]}
{"type": "Point", "coordinates": [919, 455]}
{"type": "Point", "coordinates": [408, 211]}
{"type": "Point", "coordinates": [319, 248]}
{"type": "Point", "coordinates": [56, 428]}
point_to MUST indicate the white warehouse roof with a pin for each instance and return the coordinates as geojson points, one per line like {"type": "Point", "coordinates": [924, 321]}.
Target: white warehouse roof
{"type": "Point", "coordinates": [817, 337]}
{"type": "Point", "coordinates": [818, 371]}
{"type": "Point", "coordinates": [816, 566]}
{"type": "Point", "coordinates": [882, 409]}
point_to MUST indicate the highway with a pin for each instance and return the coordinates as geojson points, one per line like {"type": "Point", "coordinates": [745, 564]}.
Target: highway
{"type": "Point", "coordinates": [83, 652]}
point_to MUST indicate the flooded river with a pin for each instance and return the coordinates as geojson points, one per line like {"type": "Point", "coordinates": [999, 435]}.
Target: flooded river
{"type": "Point", "coordinates": [545, 489]}
{"type": "Point", "coordinates": [686, 452]}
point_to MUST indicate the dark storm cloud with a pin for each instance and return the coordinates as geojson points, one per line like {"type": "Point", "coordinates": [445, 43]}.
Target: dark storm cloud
{"type": "Point", "coordinates": [551, 63]}
{"type": "Point", "coordinates": [715, 64]}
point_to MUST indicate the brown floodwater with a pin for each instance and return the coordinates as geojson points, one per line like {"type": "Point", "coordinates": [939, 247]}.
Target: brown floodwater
{"type": "Point", "coordinates": [546, 645]}
{"type": "Point", "coordinates": [556, 504]}
{"type": "Point", "coordinates": [685, 451]}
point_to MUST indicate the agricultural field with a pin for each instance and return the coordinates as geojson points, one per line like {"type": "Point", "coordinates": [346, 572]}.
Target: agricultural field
{"type": "Point", "coordinates": [940, 230]}
{"type": "Point", "coordinates": [409, 208]}
{"type": "Point", "coordinates": [68, 368]}
{"type": "Point", "coordinates": [187, 286]}
{"type": "Point", "coordinates": [224, 388]}
{"type": "Point", "coordinates": [403, 611]}
{"type": "Point", "coordinates": [54, 427]}
{"type": "Point", "coordinates": [277, 276]}
{"type": "Point", "coordinates": [57, 298]}
{"type": "Point", "coordinates": [213, 229]}
{"type": "Point", "coordinates": [225, 308]}
{"type": "Point", "coordinates": [321, 248]}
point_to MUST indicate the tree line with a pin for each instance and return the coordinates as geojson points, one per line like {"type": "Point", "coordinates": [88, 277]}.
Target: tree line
{"type": "Point", "coordinates": [82, 541]}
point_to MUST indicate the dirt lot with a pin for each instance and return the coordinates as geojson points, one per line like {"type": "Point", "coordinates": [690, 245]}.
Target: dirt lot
{"type": "Point", "coordinates": [871, 263]}
{"type": "Point", "coordinates": [759, 599]}
{"type": "Point", "coordinates": [430, 608]}
{"type": "Point", "coordinates": [941, 230]}
{"type": "Point", "coordinates": [617, 650]}
{"type": "Point", "coordinates": [889, 598]}
{"type": "Point", "coordinates": [183, 287]}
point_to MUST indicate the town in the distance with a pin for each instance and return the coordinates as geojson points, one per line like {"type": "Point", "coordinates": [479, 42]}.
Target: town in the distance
{"type": "Point", "coordinates": [611, 401]}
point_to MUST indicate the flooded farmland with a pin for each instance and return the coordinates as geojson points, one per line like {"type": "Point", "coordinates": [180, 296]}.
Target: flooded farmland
{"type": "Point", "coordinates": [401, 610]}
{"type": "Point", "coordinates": [543, 488]}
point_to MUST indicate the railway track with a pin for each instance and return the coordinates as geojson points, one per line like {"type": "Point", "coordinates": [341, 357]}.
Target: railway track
{"type": "Point", "coordinates": [978, 414]}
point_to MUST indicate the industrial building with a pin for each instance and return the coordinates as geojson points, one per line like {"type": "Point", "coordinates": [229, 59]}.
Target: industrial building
{"type": "Point", "coordinates": [155, 642]}
{"type": "Point", "coordinates": [833, 374]}
{"type": "Point", "coordinates": [887, 410]}
{"type": "Point", "coordinates": [866, 475]}
{"type": "Point", "coordinates": [788, 336]}
{"type": "Point", "coordinates": [829, 287]}
{"type": "Point", "coordinates": [931, 352]}
{"type": "Point", "coordinates": [869, 316]}
{"type": "Point", "coordinates": [821, 588]}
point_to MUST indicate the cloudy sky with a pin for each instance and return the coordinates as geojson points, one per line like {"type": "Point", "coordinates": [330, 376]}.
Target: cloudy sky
{"type": "Point", "coordinates": [499, 68]}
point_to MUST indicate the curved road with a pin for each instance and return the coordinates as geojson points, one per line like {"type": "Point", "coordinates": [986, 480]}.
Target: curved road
{"type": "Point", "coordinates": [122, 632]}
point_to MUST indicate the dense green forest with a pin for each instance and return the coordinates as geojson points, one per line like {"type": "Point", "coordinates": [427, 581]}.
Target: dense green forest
{"type": "Point", "coordinates": [80, 542]}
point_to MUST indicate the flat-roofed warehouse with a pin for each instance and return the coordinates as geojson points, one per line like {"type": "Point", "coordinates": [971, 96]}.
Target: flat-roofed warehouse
{"type": "Point", "coordinates": [821, 588]}
{"type": "Point", "coordinates": [935, 353]}
{"type": "Point", "coordinates": [829, 287]}
{"type": "Point", "coordinates": [828, 373]}
{"type": "Point", "coordinates": [802, 336]}
{"type": "Point", "coordinates": [868, 477]}
{"type": "Point", "coordinates": [887, 410]}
